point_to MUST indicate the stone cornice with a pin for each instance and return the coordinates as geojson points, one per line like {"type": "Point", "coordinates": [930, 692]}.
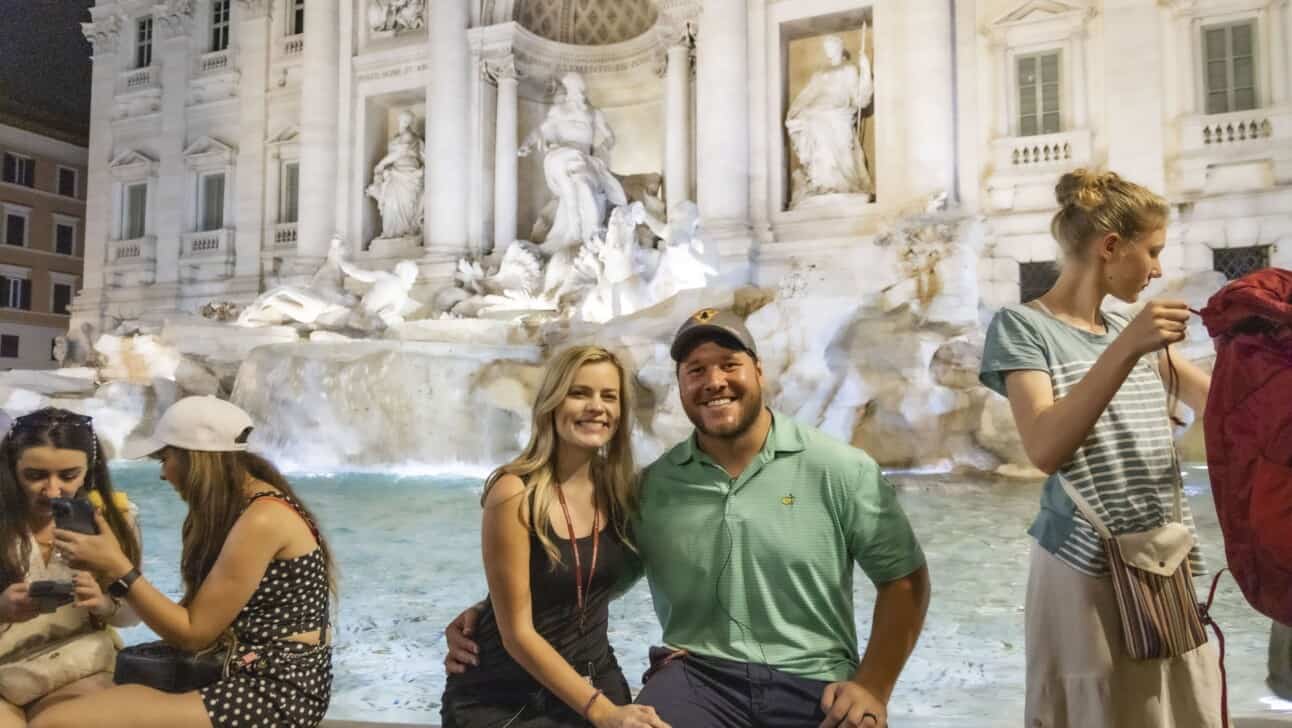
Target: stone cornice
{"type": "Point", "coordinates": [539, 58]}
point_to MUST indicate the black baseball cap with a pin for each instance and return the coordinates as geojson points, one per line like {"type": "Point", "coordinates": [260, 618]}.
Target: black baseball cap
{"type": "Point", "coordinates": [711, 324]}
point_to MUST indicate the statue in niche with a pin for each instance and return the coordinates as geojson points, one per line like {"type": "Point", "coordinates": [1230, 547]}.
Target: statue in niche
{"type": "Point", "coordinates": [397, 182]}
{"type": "Point", "coordinates": [575, 140]}
{"type": "Point", "coordinates": [823, 124]}
{"type": "Point", "coordinates": [393, 16]}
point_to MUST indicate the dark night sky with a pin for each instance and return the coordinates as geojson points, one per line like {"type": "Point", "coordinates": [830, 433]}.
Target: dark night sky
{"type": "Point", "coordinates": [45, 62]}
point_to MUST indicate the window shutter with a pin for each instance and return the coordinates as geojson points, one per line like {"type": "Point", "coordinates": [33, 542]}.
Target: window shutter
{"type": "Point", "coordinates": [26, 295]}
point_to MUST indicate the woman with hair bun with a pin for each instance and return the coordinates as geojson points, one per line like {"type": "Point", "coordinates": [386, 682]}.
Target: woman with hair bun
{"type": "Point", "coordinates": [1086, 387]}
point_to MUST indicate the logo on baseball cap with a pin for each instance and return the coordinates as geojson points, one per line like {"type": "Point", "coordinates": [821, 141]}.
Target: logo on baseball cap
{"type": "Point", "coordinates": [711, 324]}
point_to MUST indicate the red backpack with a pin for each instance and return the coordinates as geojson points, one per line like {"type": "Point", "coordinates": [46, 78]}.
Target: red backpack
{"type": "Point", "coordinates": [1248, 427]}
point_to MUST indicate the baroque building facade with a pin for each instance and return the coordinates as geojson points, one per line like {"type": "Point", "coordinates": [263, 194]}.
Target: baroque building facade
{"type": "Point", "coordinates": [232, 140]}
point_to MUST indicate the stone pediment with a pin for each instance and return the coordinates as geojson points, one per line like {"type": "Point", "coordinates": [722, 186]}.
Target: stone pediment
{"type": "Point", "coordinates": [207, 151]}
{"type": "Point", "coordinates": [1034, 20]}
{"type": "Point", "coordinates": [287, 135]}
{"type": "Point", "coordinates": [132, 164]}
{"type": "Point", "coordinates": [1036, 10]}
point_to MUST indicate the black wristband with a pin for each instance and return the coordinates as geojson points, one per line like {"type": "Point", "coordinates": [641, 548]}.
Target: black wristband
{"type": "Point", "coordinates": [121, 587]}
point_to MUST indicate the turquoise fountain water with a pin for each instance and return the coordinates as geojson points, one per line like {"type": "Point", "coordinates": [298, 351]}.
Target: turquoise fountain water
{"type": "Point", "coordinates": [410, 557]}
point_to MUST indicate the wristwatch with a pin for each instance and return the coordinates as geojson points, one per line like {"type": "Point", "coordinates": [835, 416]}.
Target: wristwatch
{"type": "Point", "coordinates": [121, 587]}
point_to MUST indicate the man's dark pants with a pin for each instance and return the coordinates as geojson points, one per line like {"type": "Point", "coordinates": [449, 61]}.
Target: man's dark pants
{"type": "Point", "coordinates": [705, 692]}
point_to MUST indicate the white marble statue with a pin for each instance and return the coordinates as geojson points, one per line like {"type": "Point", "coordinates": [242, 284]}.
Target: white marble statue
{"type": "Point", "coordinates": [395, 15]}
{"type": "Point", "coordinates": [388, 300]}
{"type": "Point", "coordinates": [397, 182]}
{"type": "Point", "coordinates": [823, 123]}
{"type": "Point", "coordinates": [575, 140]}
{"type": "Point", "coordinates": [323, 303]}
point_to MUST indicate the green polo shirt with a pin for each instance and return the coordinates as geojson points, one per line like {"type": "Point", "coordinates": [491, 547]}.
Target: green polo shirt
{"type": "Point", "coordinates": [759, 568]}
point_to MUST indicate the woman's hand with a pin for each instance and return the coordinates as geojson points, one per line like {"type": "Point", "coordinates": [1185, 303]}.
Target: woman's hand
{"type": "Point", "coordinates": [99, 553]}
{"type": "Point", "coordinates": [89, 595]}
{"type": "Point", "coordinates": [15, 605]}
{"type": "Point", "coordinates": [1159, 324]}
{"type": "Point", "coordinates": [630, 716]}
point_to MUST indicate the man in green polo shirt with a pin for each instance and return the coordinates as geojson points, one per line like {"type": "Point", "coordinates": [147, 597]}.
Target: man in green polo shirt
{"type": "Point", "coordinates": [748, 531]}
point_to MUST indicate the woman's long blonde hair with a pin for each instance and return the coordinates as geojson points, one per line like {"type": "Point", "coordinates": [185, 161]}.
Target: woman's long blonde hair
{"type": "Point", "coordinates": [613, 471]}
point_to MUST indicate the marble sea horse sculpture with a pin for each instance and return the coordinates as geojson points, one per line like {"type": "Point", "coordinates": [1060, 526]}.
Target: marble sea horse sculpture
{"type": "Point", "coordinates": [823, 124]}
{"type": "Point", "coordinates": [324, 303]}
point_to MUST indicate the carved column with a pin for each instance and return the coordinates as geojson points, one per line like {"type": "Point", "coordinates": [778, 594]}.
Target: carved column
{"type": "Point", "coordinates": [447, 102]}
{"type": "Point", "coordinates": [1136, 147]}
{"type": "Point", "coordinates": [319, 95]}
{"type": "Point", "coordinates": [104, 33]}
{"type": "Point", "coordinates": [722, 109]}
{"type": "Point", "coordinates": [928, 157]}
{"type": "Point", "coordinates": [502, 71]}
{"type": "Point", "coordinates": [172, 25]}
{"type": "Point", "coordinates": [677, 122]}
{"type": "Point", "coordinates": [253, 64]}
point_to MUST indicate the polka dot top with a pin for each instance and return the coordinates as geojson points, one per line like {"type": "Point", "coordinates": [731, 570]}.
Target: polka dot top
{"type": "Point", "coordinates": [292, 596]}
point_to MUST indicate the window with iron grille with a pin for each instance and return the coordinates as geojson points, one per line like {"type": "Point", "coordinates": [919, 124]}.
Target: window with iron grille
{"type": "Point", "coordinates": [1034, 279]}
{"type": "Point", "coordinates": [1038, 94]}
{"type": "Point", "coordinates": [19, 170]}
{"type": "Point", "coordinates": [1238, 262]}
{"type": "Point", "coordinates": [8, 346]}
{"type": "Point", "coordinates": [219, 24]}
{"type": "Point", "coordinates": [1229, 66]}
{"type": "Point", "coordinates": [144, 43]}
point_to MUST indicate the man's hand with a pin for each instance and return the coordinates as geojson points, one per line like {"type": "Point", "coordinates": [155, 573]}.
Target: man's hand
{"type": "Point", "coordinates": [849, 705]}
{"type": "Point", "coordinates": [463, 653]}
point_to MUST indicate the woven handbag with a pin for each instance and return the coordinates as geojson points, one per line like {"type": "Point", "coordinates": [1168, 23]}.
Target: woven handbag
{"type": "Point", "coordinates": [1159, 608]}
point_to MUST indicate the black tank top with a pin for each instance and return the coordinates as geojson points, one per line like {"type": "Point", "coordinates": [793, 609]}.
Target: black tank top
{"type": "Point", "coordinates": [556, 616]}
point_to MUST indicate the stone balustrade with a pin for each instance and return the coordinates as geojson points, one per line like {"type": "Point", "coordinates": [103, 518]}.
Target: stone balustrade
{"type": "Point", "coordinates": [215, 62]}
{"type": "Point", "coordinates": [1205, 134]}
{"type": "Point", "coordinates": [285, 235]}
{"type": "Point", "coordinates": [1067, 149]}
{"type": "Point", "coordinates": [207, 244]}
{"type": "Point", "coordinates": [292, 45]}
{"type": "Point", "coordinates": [139, 79]}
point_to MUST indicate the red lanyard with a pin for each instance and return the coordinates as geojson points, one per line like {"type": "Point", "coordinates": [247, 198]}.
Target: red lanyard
{"type": "Point", "coordinates": [574, 546]}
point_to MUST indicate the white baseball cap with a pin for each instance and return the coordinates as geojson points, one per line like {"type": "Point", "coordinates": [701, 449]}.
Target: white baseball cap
{"type": "Point", "coordinates": [195, 423]}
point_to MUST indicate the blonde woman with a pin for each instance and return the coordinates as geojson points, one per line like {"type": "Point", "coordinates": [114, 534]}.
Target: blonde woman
{"type": "Point", "coordinates": [51, 653]}
{"type": "Point", "coordinates": [1086, 389]}
{"type": "Point", "coordinates": [556, 547]}
{"type": "Point", "coordinates": [253, 564]}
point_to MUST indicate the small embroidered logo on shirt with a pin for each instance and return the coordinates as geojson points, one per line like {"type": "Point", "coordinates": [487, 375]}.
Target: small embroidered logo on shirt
{"type": "Point", "coordinates": [787, 500]}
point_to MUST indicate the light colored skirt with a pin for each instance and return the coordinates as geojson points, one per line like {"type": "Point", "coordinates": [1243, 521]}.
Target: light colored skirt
{"type": "Point", "coordinates": [1079, 673]}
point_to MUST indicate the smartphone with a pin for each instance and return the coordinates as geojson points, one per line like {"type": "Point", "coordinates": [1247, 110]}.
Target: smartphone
{"type": "Point", "coordinates": [48, 596]}
{"type": "Point", "coordinates": [74, 514]}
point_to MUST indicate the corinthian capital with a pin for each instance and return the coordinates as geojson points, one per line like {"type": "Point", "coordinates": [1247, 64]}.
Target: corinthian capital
{"type": "Point", "coordinates": [103, 33]}
{"type": "Point", "coordinates": [174, 18]}
{"type": "Point", "coordinates": [496, 68]}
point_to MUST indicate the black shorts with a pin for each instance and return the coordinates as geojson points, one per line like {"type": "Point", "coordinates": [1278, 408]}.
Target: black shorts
{"type": "Point", "coordinates": [530, 706]}
{"type": "Point", "coordinates": [705, 692]}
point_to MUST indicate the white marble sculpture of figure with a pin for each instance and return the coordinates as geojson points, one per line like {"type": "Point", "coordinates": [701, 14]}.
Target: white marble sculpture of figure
{"type": "Point", "coordinates": [388, 299]}
{"type": "Point", "coordinates": [575, 139]}
{"type": "Point", "coordinates": [685, 260]}
{"type": "Point", "coordinates": [397, 182]}
{"type": "Point", "coordinates": [395, 15]}
{"type": "Point", "coordinates": [823, 125]}
{"type": "Point", "coordinates": [323, 303]}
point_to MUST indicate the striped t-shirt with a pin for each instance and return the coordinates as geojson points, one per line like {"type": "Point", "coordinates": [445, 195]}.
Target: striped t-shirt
{"type": "Point", "coordinates": [1124, 467]}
